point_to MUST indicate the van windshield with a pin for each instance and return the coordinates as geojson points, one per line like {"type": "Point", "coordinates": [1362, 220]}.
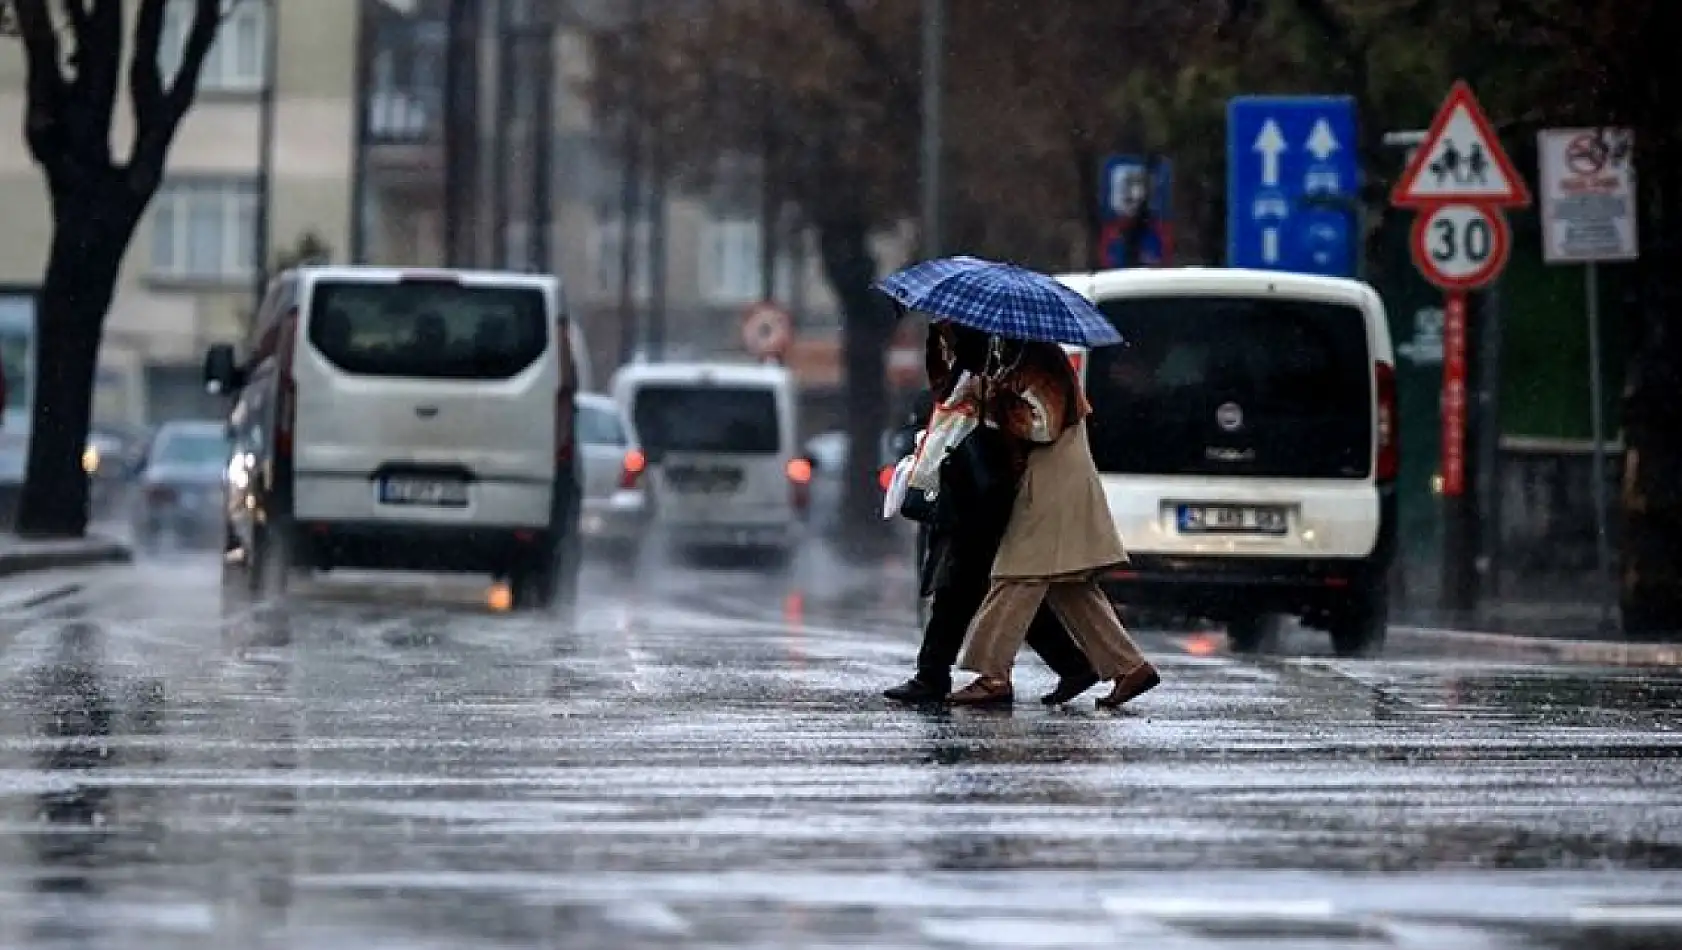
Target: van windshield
{"type": "Point", "coordinates": [1233, 386]}
{"type": "Point", "coordinates": [725, 419]}
{"type": "Point", "coordinates": [428, 331]}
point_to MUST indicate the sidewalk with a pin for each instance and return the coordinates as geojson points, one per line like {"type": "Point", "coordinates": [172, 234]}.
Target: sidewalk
{"type": "Point", "coordinates": [18, 556]}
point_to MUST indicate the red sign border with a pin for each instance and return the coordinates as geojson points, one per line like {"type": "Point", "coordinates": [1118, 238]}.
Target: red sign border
{"type": "Point", "coordinates": [1499, 254]}
{"type": "Point", "coordinates": [1460, 94]}
{"type": "Point", "coordinates": [784, 325]}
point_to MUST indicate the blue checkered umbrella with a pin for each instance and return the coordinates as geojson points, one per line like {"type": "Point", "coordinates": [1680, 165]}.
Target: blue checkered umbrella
{"type": "Point", "coordinates": [1000, 299]}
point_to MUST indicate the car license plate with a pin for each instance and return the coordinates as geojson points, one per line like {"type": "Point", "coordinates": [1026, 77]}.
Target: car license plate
{"type": "Point", "coordinates": [1233, 519]}
{"type": "Point", "coordinates": [434, 492]}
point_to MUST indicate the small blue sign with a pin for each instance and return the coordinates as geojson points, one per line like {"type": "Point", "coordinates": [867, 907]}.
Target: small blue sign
{"type": "Point", "coordinates": [1293, 184]}
{"type": "Point", "coordinates": [1128, 186]}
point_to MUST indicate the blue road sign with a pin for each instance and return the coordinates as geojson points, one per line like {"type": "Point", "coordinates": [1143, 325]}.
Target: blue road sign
{"type": "Point", "coordinates": [1293, 184]}
{"type": "Point", "coordinates": [1125, 183]}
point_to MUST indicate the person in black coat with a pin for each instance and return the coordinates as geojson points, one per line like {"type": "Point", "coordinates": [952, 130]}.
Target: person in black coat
{"type": "Point", "coordinates": [957, 564]}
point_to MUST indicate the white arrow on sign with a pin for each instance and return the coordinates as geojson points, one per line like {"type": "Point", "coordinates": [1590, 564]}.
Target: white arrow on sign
{"type": "Point", "coordinates": [1270, 143]}
{"type": "Point", "coordinates": [1270, 245]}
{"type": "Point", "coordinates": [1321, 142]}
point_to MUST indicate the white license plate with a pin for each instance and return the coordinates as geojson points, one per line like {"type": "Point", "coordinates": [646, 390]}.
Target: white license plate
{"type": "Point", "coordinates": [435, 492]}
{"type": "Point", "coordinates": [1233, 519]}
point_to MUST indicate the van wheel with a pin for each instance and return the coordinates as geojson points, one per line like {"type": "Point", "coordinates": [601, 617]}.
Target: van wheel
{"type": "Point", "coordinates": [1253, 632]}
{"type": "Point", "coordinates": [269, 565]}
{"type": "Point", "coordinates": [1358, 627]}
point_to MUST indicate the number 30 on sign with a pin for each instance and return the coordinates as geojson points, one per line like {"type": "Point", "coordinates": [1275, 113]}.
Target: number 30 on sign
{"type": "Point", "coordinates": [1460, 246]}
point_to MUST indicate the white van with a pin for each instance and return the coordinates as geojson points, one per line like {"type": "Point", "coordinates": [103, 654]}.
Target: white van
{"type": "Point", "coordinates": [406, 419]}
{"type": "Point", "coordinates": [1246, 438]}
{"type": "Point", "coordinates": [724, 468]}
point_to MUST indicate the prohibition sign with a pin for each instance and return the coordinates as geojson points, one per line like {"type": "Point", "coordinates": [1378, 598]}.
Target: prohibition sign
{"type": "Point", "coordinates": [767, 330]}
{"type": "Point", "coordinates": [1460, 246]}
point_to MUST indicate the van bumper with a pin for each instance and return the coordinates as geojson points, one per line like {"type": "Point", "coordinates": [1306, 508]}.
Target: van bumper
{"type": "Point", "coordinates": [743, 535]}
{"type": "Point", "coordinates": [1219, 587]}
{"type": "Point", "coordinates": [411, 547]}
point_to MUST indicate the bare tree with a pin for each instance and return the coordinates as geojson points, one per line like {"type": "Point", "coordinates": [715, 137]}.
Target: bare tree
{"type": "Point", "coordinates": [75, 55]}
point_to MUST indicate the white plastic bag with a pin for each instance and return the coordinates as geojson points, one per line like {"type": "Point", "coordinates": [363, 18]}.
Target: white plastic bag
{"type": "Point", "coordinates": [950, 423]}
{"type": "Point", "coordinates": [895, 495]}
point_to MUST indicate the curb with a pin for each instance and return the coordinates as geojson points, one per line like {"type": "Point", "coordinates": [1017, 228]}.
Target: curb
{"type": "Point", "coordinates": [1572, 651]}
{"type": "Point", "coordinates": [51, 556]}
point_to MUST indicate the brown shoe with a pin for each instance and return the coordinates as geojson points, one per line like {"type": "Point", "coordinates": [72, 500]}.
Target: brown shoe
{"type": "Point", "coordinates": [984, 691]}
{"type": "Point", "coordinates": [1131, 687]}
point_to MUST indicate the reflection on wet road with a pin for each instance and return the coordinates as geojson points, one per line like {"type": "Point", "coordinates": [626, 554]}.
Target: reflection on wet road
{"type": "Point", "coordinates": [702, 761]}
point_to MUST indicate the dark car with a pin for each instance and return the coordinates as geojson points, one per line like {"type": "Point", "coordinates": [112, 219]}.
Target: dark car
{"type": "Point", "coordinates": [180, 486]}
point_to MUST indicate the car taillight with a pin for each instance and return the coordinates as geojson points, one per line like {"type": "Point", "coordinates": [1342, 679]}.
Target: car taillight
{"type": "Point", "coordinates": [1389, 447]}
{"type": "Point", "coordinates": [630, 473]}
{"type": "Point", "coordinates": [885, 477]}
{"type": "Point", "coordinates": [286, 411]}
{"type": "Point", "coordinates": [800, 482]}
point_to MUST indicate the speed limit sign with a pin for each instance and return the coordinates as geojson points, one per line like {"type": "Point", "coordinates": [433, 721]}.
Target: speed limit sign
{"type": "Point", "coordinates": [1460, 246]}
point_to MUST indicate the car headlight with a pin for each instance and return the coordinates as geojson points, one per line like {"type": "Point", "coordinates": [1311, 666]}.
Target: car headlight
{"type": "Point", "coordinates": [90, 459]}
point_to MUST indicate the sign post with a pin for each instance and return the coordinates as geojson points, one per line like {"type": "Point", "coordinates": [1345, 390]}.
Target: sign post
{"type": "Point", "coordinates": [1589, 216]}
{"type": "Point", "coordinates": [1293, 185]}
{"type": "Point", "coordinates": [1458, 180]}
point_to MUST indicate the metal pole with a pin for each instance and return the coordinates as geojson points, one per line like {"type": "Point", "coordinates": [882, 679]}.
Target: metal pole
{"type": "Point", "coordinates": [543, 141]}
{"type": "Point", "coordinates": [461, 134]}
{"type": "Point", "coordinates": [934, 48]}
{"type": "Point", "coordinates": [657, 250]}
{"type": "Point", "coordinates": [630, 191]}
{"type": "Point", "coordinates": [265, 154]}
{"type": "Point", "coordinates": [510, 36]}
{"type": "Point", "coordinates": [1597, 431]}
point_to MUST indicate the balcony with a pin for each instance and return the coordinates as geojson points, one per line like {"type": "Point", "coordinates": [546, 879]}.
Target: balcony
{"type": "Point", "coordinates": [403, 124]}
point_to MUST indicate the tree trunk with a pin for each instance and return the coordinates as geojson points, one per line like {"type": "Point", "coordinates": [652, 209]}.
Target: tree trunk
{"type": "Point", "coordinates": [1652, 488]}
{"type": "Point", "coordinates": [90, 237]}
{"type": "Point", "coordinates": [867, 330]}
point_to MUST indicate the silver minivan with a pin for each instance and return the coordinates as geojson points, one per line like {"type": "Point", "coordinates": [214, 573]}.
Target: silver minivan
{"type": "Point", "coordinates": [411, 420]}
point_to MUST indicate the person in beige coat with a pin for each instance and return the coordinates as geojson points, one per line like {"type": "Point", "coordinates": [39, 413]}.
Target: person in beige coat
{"type": "Point", "coordinates": [1060, 539]}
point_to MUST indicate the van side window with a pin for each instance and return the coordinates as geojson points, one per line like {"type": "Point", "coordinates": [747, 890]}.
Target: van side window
{"type": "Point", "coordinates": [282, 298]}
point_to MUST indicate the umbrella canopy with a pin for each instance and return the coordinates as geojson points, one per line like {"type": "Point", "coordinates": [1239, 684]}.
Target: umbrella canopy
{"type": "Point", "coordinates": [1000, 299]}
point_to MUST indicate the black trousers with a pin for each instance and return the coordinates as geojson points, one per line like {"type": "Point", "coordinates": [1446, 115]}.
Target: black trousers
{"type": "Point", "coordinates": [958, 594]}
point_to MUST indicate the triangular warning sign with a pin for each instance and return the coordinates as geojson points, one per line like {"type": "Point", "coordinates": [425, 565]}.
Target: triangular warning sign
{"type": "Point", "coordinates": [1461, 159]}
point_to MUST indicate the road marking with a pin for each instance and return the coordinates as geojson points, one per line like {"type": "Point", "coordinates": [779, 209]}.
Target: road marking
{"type": "Point", "coordinates": [1627, 914]}
{"type": "Point", "coordinates": [1194, 908]}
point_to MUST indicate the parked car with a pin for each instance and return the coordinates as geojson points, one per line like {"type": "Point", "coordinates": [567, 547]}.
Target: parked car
{"type": "Point", "coordinates": [616, 510]}
{"type": "Point", "coordinates": [179, 493]}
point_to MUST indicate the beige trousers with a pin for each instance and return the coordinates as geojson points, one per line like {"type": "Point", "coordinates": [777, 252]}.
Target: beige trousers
{"type": "Point", "coordinates": [1001, 624]}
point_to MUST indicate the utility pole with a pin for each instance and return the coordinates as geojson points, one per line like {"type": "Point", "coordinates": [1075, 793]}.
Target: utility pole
{"type": "Point", "coordinates": [657, 248]}
{"type": "Point", "coordinates": [508, 44]}
{"type": "Point", "coordinates": [630, 194]}
{"type": "Point", "coordinates": [933, 142]}
{"type": "Point", "coordinates": [770, 204]}
{"type": "Point", "coordinates": [543, 141]}
{"type": "Point", "coordinates": [265, 155]}
{"type": "Point", "coordinates": [461, 133]}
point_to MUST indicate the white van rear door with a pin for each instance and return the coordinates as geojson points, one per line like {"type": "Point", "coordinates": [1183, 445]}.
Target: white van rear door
{"type": "Point", "coordinates": [423, 373]}
{"type": "Point", "coordinates": [718, 450]}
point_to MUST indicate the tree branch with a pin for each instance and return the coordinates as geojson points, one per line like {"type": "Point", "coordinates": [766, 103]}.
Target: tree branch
{"type": "Point", "coordinates": [98, 60]}
{"type": "Point", "coordinates": [846, 22]}
{"type": "Point", "coordinates": [46, 84]}
{"type": "Point", "coordinates": [157, 112]}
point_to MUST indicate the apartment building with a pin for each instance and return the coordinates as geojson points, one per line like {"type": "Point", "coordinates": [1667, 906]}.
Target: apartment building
{"type": "Point", "coordinates": [189, 275]}
{"type": "Point", "coordinates": [709, 244]}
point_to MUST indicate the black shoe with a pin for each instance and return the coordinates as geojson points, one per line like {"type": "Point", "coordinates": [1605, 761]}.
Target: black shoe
{"type": "Point", "coordinates": [1069, 688]}
{"type": "Point", "coordinates": [918, 690]}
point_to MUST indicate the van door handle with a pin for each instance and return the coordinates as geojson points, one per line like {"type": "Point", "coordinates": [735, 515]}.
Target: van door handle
{"type": "Point", "coordinates": [426, 412]}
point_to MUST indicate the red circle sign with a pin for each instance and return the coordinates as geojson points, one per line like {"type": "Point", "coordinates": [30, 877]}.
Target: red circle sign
{"type": "Point", "coordinates": [767, 330]}
{"type": "Point", "coordinates": [1460, 246]}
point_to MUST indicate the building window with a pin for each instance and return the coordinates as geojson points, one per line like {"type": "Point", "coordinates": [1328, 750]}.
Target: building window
{"type": "Point", "coordinates": [236, 60]}
{"type": "Point", "coordinates": [204, 231]}
{"type": "Point", "coordinates": [605, 244]}
{"type": "Point", "coordinates": [730, 264]}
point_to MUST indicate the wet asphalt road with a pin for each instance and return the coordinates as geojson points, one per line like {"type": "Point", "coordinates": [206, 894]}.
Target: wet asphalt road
{"type": "Point", "coordinates": [703, 762]}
